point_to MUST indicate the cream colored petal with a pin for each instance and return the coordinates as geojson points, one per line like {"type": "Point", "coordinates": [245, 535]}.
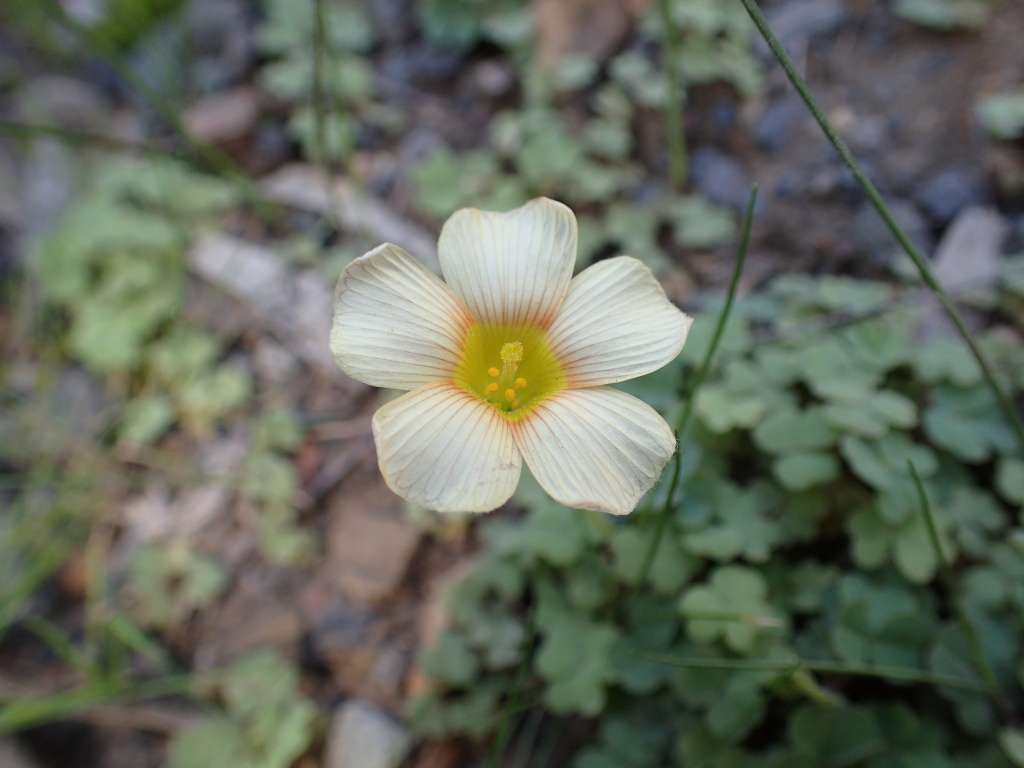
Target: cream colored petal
{"type": "Point", "coordinates": [616, 324]}
{"type": "Point", "coordinates": [595, 448]}
{"type": "Point", "coordinates": [443, 448]}
{"type": "Point", "coordinates": [395, 323]}
{"type": "Point", "coordinates": [511, 268]}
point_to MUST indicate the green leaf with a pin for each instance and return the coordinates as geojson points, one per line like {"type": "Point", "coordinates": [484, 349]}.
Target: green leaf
{"type": "Point", "coordinates": [671, 568]}
{"type": "Point", "coordinates": [1002, 114]}
{"type": "Point", "coordinates": [1012, 742]}
{"type": "Point", "coordinates": [944, 14]}
{"type": "Point", "coordinates": [801, 471]}
{"type": "Point", "coordinates": [943, 359]}
{"type": "Point", "coordinates": [866, 462]}
{"type": "Point", "coordinates": [215, 741]}
{"type": "Point", "coordinates": [742, 525]}
{"type": "Point", "coordinates": [835, 737]}
{"type": "Point", "coordinates": [574, 657]}
{"type": "Point", "coordinates": [789, 430]}
{"type": "Point", "coordinates": [450, 660]}
{"type": "Point", "coordinates": [699, 223]}
{"type": "Point", "coordinates": [146, 419]}
{"type": "Point", "coordinates": [1010, 479]}
{"type": "Point", "coordinates": [731, 605]}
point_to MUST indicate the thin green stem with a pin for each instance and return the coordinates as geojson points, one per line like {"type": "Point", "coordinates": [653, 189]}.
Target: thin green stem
{"type": "Point", "coordinates": [25, 713]}
{"type": "Point", "coordinates": [209, 153]}
{"type": "Point", "coordinates": [684, 418]}
{"type": "Point", "coordinates": [512, 705]}
{"type": "Point", "coordinates": [901, 674]}
{"type": "Point", "coordinates": [678, 159]}
{"type": "Point", "coordinates": [883, 210]}
{"type": "Point", "coordinates": [946, 573]}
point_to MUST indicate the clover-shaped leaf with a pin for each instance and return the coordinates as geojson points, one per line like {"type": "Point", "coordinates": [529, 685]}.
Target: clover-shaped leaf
{"type": "Point", "coordinates": [742, 526]}
{"type": "Point", "coordinates": [670, 568]}
{"type": "Point", "coordinates": [574, 656]}
{"type": "Point", "coordinates": [732, 605]}
{"type": "Point", "coordinates": [1010, 480]}
{"type": "Point", "coordinates": [835, 737]}
{"type": "Point", "coordinates": [968, 423]}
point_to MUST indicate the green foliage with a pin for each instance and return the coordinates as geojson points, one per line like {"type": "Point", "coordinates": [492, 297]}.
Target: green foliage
{"type": "Point", "coordinates": [540, 149]}
{"type": "Point", "coordinates": [319, 64]}
{"type": "Point", "coordinates": [169, 582]}
{"type": "Point", "coordinates": [463, 23]}
{"type": "Point", "coordinates": [265, 723]}
{"type": "Point", "coordinates": [945, 14]}
{"type": "Point", "coordinates": [795, 589]}
{"type": "Point", "coordinates": [1002, 114]}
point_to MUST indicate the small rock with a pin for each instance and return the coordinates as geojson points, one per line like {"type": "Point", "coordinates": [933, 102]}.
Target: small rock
{"type": "Point", "coordinates": [363, 736]}
{"type": "Point", "coordinates": [341, 628]}
{"type": "Point", "coordinates": [772, 129]}
{"type": "Point", "coordinates": [1015, 240]}
{"type": "Point", "coordinates": [969, 252]}
{"type": "Point", "coordinates": [369, 546]}
{"type": "Point", "coordinates": [224, 116]}
{"type": "Point", "coordinates": [79, 402]}
{"type": "Point", "coordinates": [720, 177]}
{"type": "Point", "coordinates": [876, 239]}
{"type": "Point", "coordinates": [394, 20]}
{"type": "Point", "coordinates": [274, 364]}
{"type": "Point", "coordinates": [593, 28]}
{"type": "Point", "coordinates": [950, 191]}
{"type": "Point", "coordinates": [147, 517]}
{"type": "Point", "coordinates": [494, 78]}
{"type": "Point", "coordinates": [800, 20]}
{"type": "Point", "coordinates": [11, 756]}
{"type": "Point", "coordinates": [248, 620]}
{"type": "Point", "coordinates": [420, 64]}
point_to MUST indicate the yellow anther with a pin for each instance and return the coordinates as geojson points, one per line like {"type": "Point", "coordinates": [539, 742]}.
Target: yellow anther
{"type": "Point", "coordinates": [492, 372]}
{"type": "Point", "coordinates": [520, 382]}
{"type": "Point", "coordinates": [512, 351]}
{"type": "Point", "coordinates": [510, 395]}
{"type": "Point", "coordinates": [491, 388]}
{"type": "Point", "coordinates": [515, 403]}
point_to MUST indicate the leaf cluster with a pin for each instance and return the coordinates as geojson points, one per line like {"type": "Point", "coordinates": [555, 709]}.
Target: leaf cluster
{"type": "Point", "coordinates": [792, 613]}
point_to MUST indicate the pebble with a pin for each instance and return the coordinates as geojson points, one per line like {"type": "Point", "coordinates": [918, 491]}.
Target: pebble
{"type": "Point", "coordinates": [11, 756]}
{"type": "Point", "coordinates": [875, 238]}
{"type": "Point", "coordinates": [1015, 240]}
{"type": "Point", "coordinates": [363, 736]}
{"type": "Point", "coordinates": [420, 65]}
{"type": "Point", "coordinates": [798, 21]}
{"type": "Point", "coordinates": [950, 191]}
{"type": "Point", "coordinates": [369, 545]}
{"type": "Point", "coordinates": [720, 177]}
{"type": "Point", "coordinates": [969, 252]}
{"type": "Point", "coordinates": [772, 130]}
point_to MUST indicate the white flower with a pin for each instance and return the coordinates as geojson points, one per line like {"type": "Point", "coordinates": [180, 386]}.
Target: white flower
{"type": "Point", "coordinates": [509, 360]}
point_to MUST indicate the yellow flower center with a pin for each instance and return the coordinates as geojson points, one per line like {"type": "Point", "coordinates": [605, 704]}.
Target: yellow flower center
{"type": "Point", "coordinates": [512, 368]}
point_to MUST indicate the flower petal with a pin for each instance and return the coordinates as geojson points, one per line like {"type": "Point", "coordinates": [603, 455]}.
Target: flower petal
{"type": "Point", "coordinates": [595, 448]}
{"type": "Point", "coordinates": [443, 448]}
{"type": "Point", "coordinates": [511, 268]}
{"type": "Point", "coordinates": [395, 323]}
{"type": "Point", "coordinates": [616, 324]}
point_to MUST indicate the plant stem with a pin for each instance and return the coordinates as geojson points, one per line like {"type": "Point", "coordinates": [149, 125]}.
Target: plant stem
{"type": "Point", "coordinates": [977, 652]}
{"type": "Point", "coordinates": [209, 153]}
{"type": "Point", "coordinates": [901, 674]}
{"type": "Point", "coordinates": [512, 704]}
{"type": "Point", "coordinates": [698, 381]}
{"type": "Point", "coordinates": [679, 162]}
{"type": "Point", "coordinates": [883, 210]}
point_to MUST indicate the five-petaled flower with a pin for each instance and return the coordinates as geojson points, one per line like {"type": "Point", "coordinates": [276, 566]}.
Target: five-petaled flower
{"type": "Point", "coordinates": [510, 360]}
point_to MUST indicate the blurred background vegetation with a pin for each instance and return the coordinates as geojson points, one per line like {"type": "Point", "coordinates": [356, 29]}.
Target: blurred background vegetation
{"type": "Point", "coordinates": [199, 564]}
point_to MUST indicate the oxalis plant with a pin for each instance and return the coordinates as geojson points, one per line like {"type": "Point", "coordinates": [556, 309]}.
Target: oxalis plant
{"type": "Point", "coordinates": [830, 572]}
